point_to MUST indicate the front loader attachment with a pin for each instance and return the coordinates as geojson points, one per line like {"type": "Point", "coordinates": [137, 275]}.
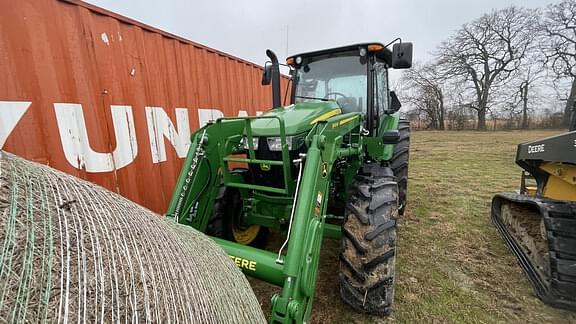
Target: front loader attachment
{"type": "Point", "coordinates": [213, 148]}
{"type": "Point", "coordinates": [541, 233]}
{"type": "Point", "coordinates": [228, 141]}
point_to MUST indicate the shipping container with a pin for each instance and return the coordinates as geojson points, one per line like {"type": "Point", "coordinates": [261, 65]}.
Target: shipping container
{"type": "Point", "coordinates": [109, 99]}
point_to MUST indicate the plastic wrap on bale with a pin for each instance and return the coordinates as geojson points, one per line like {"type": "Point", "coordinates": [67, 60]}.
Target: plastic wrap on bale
{"type": "Point", "coordinates": [71, 251]}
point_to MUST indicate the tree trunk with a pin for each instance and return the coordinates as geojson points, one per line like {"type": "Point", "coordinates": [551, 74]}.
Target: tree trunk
{"type": "Point", "coordinates": [433, 122]}
{"type": "Point", "coordinates": [441, 107]}
{"type": "Point", "coordinates": [482, 119]}
{"type": "Point", "coordinates": [570, 103]}
{"type": "Point", "coordinates": [482, 103]}
{"type": "Point", "coordinates": [433, 115]}
{"type": "Point", "coordinates": [525, 106]}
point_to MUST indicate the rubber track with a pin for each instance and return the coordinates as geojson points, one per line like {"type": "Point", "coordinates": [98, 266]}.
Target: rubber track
{"type": "Point", "coordinates": [560, 223]}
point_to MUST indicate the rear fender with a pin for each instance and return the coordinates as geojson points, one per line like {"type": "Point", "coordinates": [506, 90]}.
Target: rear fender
{"type": "Point", "coordinates": [375, 146]}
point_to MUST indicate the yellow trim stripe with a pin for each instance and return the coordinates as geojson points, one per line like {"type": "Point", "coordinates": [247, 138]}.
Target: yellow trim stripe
{"type": "Point", "coordinates": [326, 115]}
{"type": "Point", "coordinates": [344, 121]}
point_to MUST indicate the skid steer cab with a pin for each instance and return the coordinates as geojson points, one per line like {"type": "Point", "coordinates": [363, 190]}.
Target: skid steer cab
{"type": "Point", "coordinates": [333, 163]}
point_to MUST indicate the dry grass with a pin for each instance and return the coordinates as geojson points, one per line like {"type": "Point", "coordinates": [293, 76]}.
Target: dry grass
{"type": "Point", "coordinates": [452, 266]}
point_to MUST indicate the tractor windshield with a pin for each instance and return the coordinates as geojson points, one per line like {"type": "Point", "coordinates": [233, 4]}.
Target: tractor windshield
{"type": "Point", "coordinates": [342, 79]}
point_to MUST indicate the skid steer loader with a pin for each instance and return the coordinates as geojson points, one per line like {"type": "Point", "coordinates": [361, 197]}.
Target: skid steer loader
{"type": "Point", "coordinates": [333, 164]}
{"type": "Point", "coordinates": [539, 223]}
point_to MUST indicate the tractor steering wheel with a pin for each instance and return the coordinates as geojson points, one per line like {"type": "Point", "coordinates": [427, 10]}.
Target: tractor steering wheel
{"type": "Point", "coordinates": [334, 93]}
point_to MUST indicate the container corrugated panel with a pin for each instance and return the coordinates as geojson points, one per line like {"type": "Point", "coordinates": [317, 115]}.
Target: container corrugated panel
{"type": "Point", "coordinates": [111, 100]}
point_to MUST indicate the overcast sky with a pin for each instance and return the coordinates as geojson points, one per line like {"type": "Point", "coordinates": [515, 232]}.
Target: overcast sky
{"type": "Point", "coordinates": [246, 28]}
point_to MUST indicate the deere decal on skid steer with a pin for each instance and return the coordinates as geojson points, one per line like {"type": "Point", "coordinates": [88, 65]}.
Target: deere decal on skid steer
{"type": "Point", "coordinates": [333, 163]}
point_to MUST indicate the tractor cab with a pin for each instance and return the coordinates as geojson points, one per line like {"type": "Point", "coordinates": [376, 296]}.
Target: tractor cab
{"type": "Point", "coordinates": [355, 77]}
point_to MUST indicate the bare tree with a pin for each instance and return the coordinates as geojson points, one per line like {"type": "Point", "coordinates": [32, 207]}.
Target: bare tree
{"type": "Point", "coordinates": [529, 76]}
{"type": "Point", "coordinates": [521, 93]}
{"type": "Point", "coordinates": [425, 93]}
{"type": "Point", "coordinates": [487, 51]}
{"type": "Point", "coordinates": [559, 45]}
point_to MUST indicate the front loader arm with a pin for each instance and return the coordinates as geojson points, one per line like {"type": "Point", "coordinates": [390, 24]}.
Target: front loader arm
{"type": "Point", "coordinates": [198, 184]}
{"type": "Point", "coordinates": [193, 200]}
{"type": "Point", "coordinates": [325, 143]}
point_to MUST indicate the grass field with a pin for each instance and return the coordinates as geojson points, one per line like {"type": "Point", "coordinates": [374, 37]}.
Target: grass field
{"type": "Point", "coordinates": [452, 267]}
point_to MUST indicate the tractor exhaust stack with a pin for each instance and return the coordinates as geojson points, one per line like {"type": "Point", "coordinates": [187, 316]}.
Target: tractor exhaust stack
{"type": "Point", "coordinates": [272, 75]}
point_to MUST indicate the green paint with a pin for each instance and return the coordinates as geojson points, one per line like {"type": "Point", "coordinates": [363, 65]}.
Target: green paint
{"type": "Point", "coordinates": [297, 118]}
{"type": "Point", "coordinates": [254, 262]}
{"type": "Point", "coordinates": [374, 145]}
{"type": "Point", "coordinates": [332, 231]}
{"type": "Point", "coordinates": [330, 135]}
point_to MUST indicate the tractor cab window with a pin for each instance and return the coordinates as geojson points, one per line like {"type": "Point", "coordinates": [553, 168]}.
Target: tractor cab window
{"type": "Point", "coordinates": [342, 79]}
{"type": "Point", "coordinates": [380, 88]}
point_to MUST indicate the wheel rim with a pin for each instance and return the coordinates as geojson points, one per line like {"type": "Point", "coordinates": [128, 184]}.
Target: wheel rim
{"type": "Point", "coordinates": [245, 236]}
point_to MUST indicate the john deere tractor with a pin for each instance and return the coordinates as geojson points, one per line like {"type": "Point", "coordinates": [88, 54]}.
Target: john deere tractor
{"type": "Point", "coordinates": [333, 163]}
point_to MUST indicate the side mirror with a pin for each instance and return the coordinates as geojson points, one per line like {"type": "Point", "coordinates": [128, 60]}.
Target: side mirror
{"type": "Point", "coordinates": [394, 102]}
{"type": "Point", "coordinates": [267, 74]}
{"type": "Point", "coordinates": [402, 55]}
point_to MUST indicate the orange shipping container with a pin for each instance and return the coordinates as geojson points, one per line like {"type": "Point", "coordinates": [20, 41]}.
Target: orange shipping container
{"type": "Point", "coordinates": [111, 100]}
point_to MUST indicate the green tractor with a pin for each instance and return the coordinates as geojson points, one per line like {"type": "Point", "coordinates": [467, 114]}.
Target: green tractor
{"type": "Point", "coordinates": [333, 163]}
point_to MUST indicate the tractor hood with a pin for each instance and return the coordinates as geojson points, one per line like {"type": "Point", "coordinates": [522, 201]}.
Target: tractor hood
{"type": "Point", "coordinates": [298, 118]}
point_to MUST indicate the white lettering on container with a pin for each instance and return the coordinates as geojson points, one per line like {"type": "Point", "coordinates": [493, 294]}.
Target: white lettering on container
{"type": "Point", "coordinates": [10, 114]}
{"type": "Point", "coordinates": [160, 126]}
{"type": "Point", "coordinates": [76, 144]}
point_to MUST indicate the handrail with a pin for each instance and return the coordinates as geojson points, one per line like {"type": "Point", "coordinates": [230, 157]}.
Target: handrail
{"type": "Point", "coordinates": [252, 155]}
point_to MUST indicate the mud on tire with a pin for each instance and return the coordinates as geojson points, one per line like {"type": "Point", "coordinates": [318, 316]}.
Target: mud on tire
{"type": "Point", "coordinates": [399, 163]}
{"type": "Point", "coordinates": [368, 244]}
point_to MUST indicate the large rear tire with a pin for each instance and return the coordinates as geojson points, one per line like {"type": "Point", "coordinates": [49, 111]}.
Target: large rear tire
{"type": "Point", "coordinates": [367, 259]}
{"type": "Point", "coordinates": [400, 161]}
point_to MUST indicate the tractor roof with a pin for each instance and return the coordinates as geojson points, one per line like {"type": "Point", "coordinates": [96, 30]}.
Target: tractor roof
{"type": "Point", "coordinates": [380, 50]}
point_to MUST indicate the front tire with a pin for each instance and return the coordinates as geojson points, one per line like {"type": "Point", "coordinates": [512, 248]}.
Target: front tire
{"type": "Point", "coordinates": [225, 221]}
{"type": "Point", "coordinates": [367, 258]}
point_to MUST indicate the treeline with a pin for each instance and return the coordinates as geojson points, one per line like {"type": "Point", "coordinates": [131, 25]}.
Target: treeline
{"type": "Point", "coordinates": [511, 68]}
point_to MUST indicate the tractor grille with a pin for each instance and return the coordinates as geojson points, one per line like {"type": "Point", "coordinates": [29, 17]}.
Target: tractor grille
{"type": "Point", "coordinates": [275, 176]}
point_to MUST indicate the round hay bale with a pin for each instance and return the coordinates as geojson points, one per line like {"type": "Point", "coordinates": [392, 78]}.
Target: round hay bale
{"type": "Point", "coordinates": [71, 251]}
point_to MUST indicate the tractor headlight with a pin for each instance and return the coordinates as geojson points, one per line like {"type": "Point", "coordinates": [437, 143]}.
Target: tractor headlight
{"type": "Point", "coordinates": [294, 142]}
{"type": "Point", "coordinates": [244, 142]}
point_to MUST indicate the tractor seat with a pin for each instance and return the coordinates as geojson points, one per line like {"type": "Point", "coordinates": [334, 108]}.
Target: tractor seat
{"type": "Point", "coordinates": [348, 104]}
